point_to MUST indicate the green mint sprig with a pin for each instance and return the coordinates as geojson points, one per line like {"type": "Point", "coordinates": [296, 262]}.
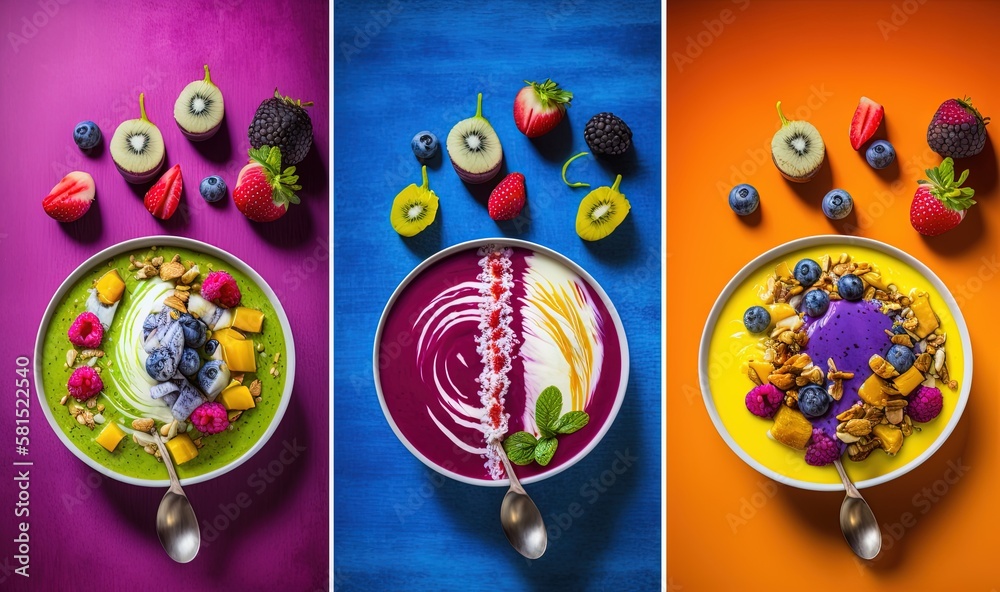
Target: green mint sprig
{"type": "Point", "coordinates": [523, 447]}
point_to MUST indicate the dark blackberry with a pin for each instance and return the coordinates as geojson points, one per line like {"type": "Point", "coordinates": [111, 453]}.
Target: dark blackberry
{"type": "Point", "coordinates": [284, 123]}
{"type": "Point", "coordinates": [606, 133]}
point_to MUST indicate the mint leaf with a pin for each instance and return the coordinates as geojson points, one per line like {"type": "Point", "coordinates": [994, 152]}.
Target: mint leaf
{"type": "Point", "coordinates": [545, 449]}
{"type": "Point", "coordinates": [520, 448]}
{"type": "Point", "coordinates": [571, 422]}
{"type": "Point", "coordinates": [547, 409]}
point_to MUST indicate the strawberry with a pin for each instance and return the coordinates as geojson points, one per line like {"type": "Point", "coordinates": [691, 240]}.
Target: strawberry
{"type": "Point", "coordinates": [508, 198]}
{"type": "Point", "coordinates": [866, 120]}
{"type": "Point", "coordinates": [940, 203]}
{"type": "Point", "coordinates": [958, 129]}
{"type": "Point", "coordinates": [163, 197]}
{"type": "Point", "coordinates": [540, 107]}
{"type": "Point", "coordinates": [263, 191]}
{"type": "Point", "coordinates": [70, 198]}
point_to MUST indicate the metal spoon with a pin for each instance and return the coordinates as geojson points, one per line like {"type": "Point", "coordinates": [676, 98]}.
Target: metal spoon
{"type": "Point", "coordinates": [520, 518]}
{"type": "Point", "coordinates": [857, 520]}
{"type": "Point", "coordinates": [176, 524]}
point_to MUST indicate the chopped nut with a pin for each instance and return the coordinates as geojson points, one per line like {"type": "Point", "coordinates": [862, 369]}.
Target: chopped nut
{"type": "Point", "coordinates": [234, 415]}
{"type": "Point", "coordinates": [70, 357]}
{"type": "Point", "coordinates": [792, 401]}
{"type": "Point", "coordinates": [80, 419]}
{"type": "Point", "coordinates": [882, 367]}
{"type": "Point", "coordinates": [847, 438]}
{"type": "Point", "coordinates": [175, 303]}
{"type": "Point", "coordinates": [75, 410]}
{"type": "Point", "coordinates": [100, 407]}
{"type": "Point", "coordinates": [858, 427]}
{"type": "Point", "coordinates": [143, 424]}
{"type": "Point", "coordinates": [813, 375]}
{"type": "Point", "coordinates": [255, 388]}
{"type": "Point", "coordinates": [91, 353]}
{"type": "Point", "coordinates": [839, 269]}
{"type": "Point", "coordinates": [257, 399]}
{"type": "Point", "coordinates": [88, 419]}
{"type": "Point", "coordinates": [844, 258]}
{"type": "Point", "coordinates": [238, 377]}
{"type": "Point", "coordinates": [63, 400]}
{"type": "Point", "coordinates": [939, 360]}
{"type": "Point", "coordinates": [92, 402]}
{"type": "Point", "coordinates": [911, 323]}
{"type": "Point", "coordinates": [752, 375]}
{"type": "Point", "coordinates": [906, 426]}
{"type": "Point", "coordinates": [923, 362]}
{"type": "Point", "coordinates": [859, 452]}
{"type": "Point", "coordinates": [176, 258]}
{"type": "Point", "coordinates": [148, 271]}
{"type": "Point", "coordinates": [894, 415]}
{"type": "Point", "coordinates": [190, 275]}
{"type": "Point", "coordinates": [260, 346]}
{"type": "Point", "coordinates": [181, 295]}
{"type": "Point", "coordinates": [171, 271]}
{"type": "Point", "coordinates": [824, 263]}
{"type": "Point", "coordinates": [157, 261]}
{"type": "Point", "coordinates": [902, 340]}
{"type": "Point", "coordinates": [149, 448]}
{"type": "Point", "coordinates": [854, 412]}
{"type": "Point", "coordinates": [165, 429]}
{"type": "Point", "coordinates": [198, 443]}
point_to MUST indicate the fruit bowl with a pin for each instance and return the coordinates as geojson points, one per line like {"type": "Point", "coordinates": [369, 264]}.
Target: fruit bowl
{"type": "Point", "coordinates": [726, 348]}
{"type": "Point", "coordinates": [123, 363]}
{"type": "Point", "coordinates": [472, 336]}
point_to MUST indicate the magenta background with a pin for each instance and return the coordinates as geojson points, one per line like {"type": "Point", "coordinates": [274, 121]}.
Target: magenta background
{"type": "Point", "coordinates": [89, 60]}
{"type": "Point", "coordinates": [407, 397]}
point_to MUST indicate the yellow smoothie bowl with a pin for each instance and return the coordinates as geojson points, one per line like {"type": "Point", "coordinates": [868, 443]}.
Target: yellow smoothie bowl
{"type": "Point", "coordinates": [726, 347]}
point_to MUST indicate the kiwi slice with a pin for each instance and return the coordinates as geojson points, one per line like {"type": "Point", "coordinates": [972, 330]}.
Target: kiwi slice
{"type": "Point", "coordinates": [414, 208]}
{"type": "Point", "coordinates": [137, 147]}
{"type": "Point", "coordinates": [797, 149]}
{"type": "Point", "coordinates": [474, 148]}
{"type": "Point", "coordinates": [601, 212]}
{"type": "Point", "coordinates": [199, 109]}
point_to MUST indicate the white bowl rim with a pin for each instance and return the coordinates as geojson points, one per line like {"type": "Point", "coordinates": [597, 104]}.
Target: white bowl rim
{"type": "Point", "coordinates": [511, 242]}
{"type": "Point", "coordinates": [165, 241]}
{"type": "Point", "coordinates": [849, 241]}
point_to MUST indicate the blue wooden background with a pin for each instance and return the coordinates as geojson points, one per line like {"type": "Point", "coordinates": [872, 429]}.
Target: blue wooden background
{"type": "Point", "coordinates": [404, 66]}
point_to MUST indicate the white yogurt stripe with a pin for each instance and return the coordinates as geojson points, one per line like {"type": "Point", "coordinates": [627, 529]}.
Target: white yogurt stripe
{"type": "Point", "coordinates": [455, 440]}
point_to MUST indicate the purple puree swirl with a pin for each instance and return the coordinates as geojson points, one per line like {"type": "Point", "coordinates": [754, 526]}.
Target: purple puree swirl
{"type": "Point", "coordinates": [850, 333]}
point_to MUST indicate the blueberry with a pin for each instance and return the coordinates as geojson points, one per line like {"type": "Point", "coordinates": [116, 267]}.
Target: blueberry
{"type": "Point", "coordinates": [813, 400]}
{"type": "Point", "coordinates": [190, 362]}
{"type": "Point", "coordinates": [816, 302]}
{"type": "Point", "coordinates": [837, 204]}
{"type": "Point", "coordinates": [850, 287]}
{"type": "Point", "coordinates": [148, 325]}
{"type": "Point", "coordinates": [160, 364]}
{"type": "Point", "coordinates": [756, 319]}
{"type": "Point", "coordinates": [195, 331]}
{"type": "Point", "coordinates": [424, 145]}
{"type": "Point", "coordinates": [744, 199]}
{"type": "Point", "coordinates": [901, 358]}
{"type": "Point", "coordinates": [212, 188]}
{"type": "Point", "coordinates": [87, 135]}
{"type": "Point", "coordinates": [807, 272]}
{"type": "Point", "coordinates": [880, 154]}
{"type": "Point", "coordinates": [898, 330]}
{"type": "Point", "coordinates": [213, 377]}
{"type": "Point", "coordinates": [210, 346]}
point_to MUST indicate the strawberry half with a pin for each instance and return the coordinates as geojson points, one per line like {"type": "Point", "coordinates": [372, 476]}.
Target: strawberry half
{"type": "Point", "coordinates": [507, 198]}
{"type": "Point", "coordinates": [540, 107]}
{"type": "Point", "coordinates": [263, 191]}
{"type": "Point", "coordinates": [164, 196]}
{"type": "Point", "coordinates": [865, 122]}
{"type": "Point", "coordinates": [940, 204]}
{"type": "Point", "coordinates": [70, 198]}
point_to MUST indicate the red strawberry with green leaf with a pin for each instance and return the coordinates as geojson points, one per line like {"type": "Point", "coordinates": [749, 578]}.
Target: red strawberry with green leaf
{"type": "Point", "coordinates": [164, 196]}
{"type": "Point", "coordinates": [508, 198]}
{"type": "Point", "coordinates": [941, 202]}
{"type": "Point", "coordinates": [540, 107]}
{"type": "Point", "coordinates": [264, 191]}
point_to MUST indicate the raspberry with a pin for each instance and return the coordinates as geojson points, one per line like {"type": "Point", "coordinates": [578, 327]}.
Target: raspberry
{"type": "Point", "coordinates": [822, 449]}
{"type": "Point", "coordinates": [764, 400]}
{"type": "Point", "coordinates": [210, 418]}
{"type": "Point", "coordinates": [926, 404]}
{"type": "Point", "coordinates": [220, 287]}
{"type": "Point", "coordinates": [86, 331]}
{"type": "Point", "coordinates": [84, 383]}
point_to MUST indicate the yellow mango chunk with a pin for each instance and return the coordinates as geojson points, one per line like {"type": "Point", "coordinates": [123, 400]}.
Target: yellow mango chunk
{"type": "Point", "coordinates": [909, 380]}
{"type": "Point", "coordinates": [181, 448]}
{"type": "Point", "coordinates": [763, 370]}
{"type": "Point", "coordinates": [891, 437]}
{"type": "Point", "coordinates": [110, 287]}
{"type": "Point", "coordinates": [926, 319]}
{"type": "Point", "coordinates": [872, 392]}
{"type": "Point", "coordinates": [224, 336]}
{"type": "Point", "coordinates": [780, 311]}
{"type": "Point", "coordinates": [782, 270]}
{"type": "Point", "coordinates": [110, 436]}
{"type": "Point", "coordinates": [239, 355]}
{"type": "Point", "coordinates": [249, 320]}
{"type": "Point", "coordinates": [791, 428]}
{"type": "Point", "coordinates": [236, 398]}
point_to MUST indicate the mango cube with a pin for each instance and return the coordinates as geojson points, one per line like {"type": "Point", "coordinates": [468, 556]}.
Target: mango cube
{"type": "Point", "coordinates": [909, 380]}
{"type": "Point", "coordinates": [791, 428]}
{"type": "Point", "coordinates": [236, 398]}
{"type": "Point", "coordinates": [763, 370]}
{"type": "Point", "coordinates": [226, 335]}
{"type": "Point", "coordinates": [248, 319]}
{"type": "Point", "coordinates": [239, 355]}
{"type": "Point", "coordinates": [110, 436]}
{"type": "Point", "coordinates": [181, 448]}
{"type": "Point", "coordinates": [782, 271]}
{"type": "Point", "coordinates": [110, 287]}
{"type": "Point", "coordinates": [872, 391]}
{"type": "Point", "coordinates": [891, 437]}
{"type": "Point", "coordinates": [926, 319]}
{"type": "Point", "coordinates": [780, 311]}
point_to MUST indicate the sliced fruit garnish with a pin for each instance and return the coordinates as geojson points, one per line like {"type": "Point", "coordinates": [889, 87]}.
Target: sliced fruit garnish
{"type": "Point", "coordinates": [70, 198]}
{"type": "Point", "coordinates": [865, 122]}
{"type": "Point", "coordinates": [601, 212]}
{"type": "Point", "coordinates": [164, 196]}
{"type": "Point", "coordinates": [414, 208]}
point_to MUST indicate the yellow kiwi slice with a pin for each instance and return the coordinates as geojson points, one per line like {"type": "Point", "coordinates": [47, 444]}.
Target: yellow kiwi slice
{"type": "Point", "coordinates": [414, 208]}
{"type": "Point", "coordinates": [601, 212]}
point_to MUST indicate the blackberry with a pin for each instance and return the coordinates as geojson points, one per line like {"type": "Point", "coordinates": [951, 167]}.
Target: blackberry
{"type": "Point", "coordinates": [284, 123]}
{"type": "Point", "coordinates": [606, 133]}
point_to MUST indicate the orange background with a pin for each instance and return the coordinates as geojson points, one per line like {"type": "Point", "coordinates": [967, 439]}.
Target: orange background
{"type": "Point", "coordinates": [728, 527]}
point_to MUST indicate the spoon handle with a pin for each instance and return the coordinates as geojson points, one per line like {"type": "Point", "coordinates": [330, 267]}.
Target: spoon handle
{"type": "Point", "coordinates": [848, 485]}
{"type": "Point", "coordinates": [514, 483]}
{"type": "Point", "coordinates": [175, 483]}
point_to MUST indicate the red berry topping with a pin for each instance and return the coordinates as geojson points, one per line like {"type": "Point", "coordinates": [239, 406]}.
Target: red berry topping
{"type": "Point", "coordinates": [764, 400]}
{"type": "Point", "coordinates": [822, 449]}
{"type": "Point", "coordinates": [86, 331]}
{"type": "Point", "coordinates": [210, 418]}
{"type": "Point", "coordinates": [926, 404]}
{"type": "Point", "coordinates": [84, 383]}
{"type": "Point", "coordinates": [220, 287]}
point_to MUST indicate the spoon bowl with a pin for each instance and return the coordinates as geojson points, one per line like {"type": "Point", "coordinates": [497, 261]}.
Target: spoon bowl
{"type": "Point", "coordinates": [857, 521]}
{"type": "Point", "coordinates": [176, 524]}
{"type": "Point", "coordinates": [519, 516]}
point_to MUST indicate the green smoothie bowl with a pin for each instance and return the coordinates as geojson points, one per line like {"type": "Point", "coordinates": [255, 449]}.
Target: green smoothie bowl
{"type": "Point", "coordinates": [171, 335]}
